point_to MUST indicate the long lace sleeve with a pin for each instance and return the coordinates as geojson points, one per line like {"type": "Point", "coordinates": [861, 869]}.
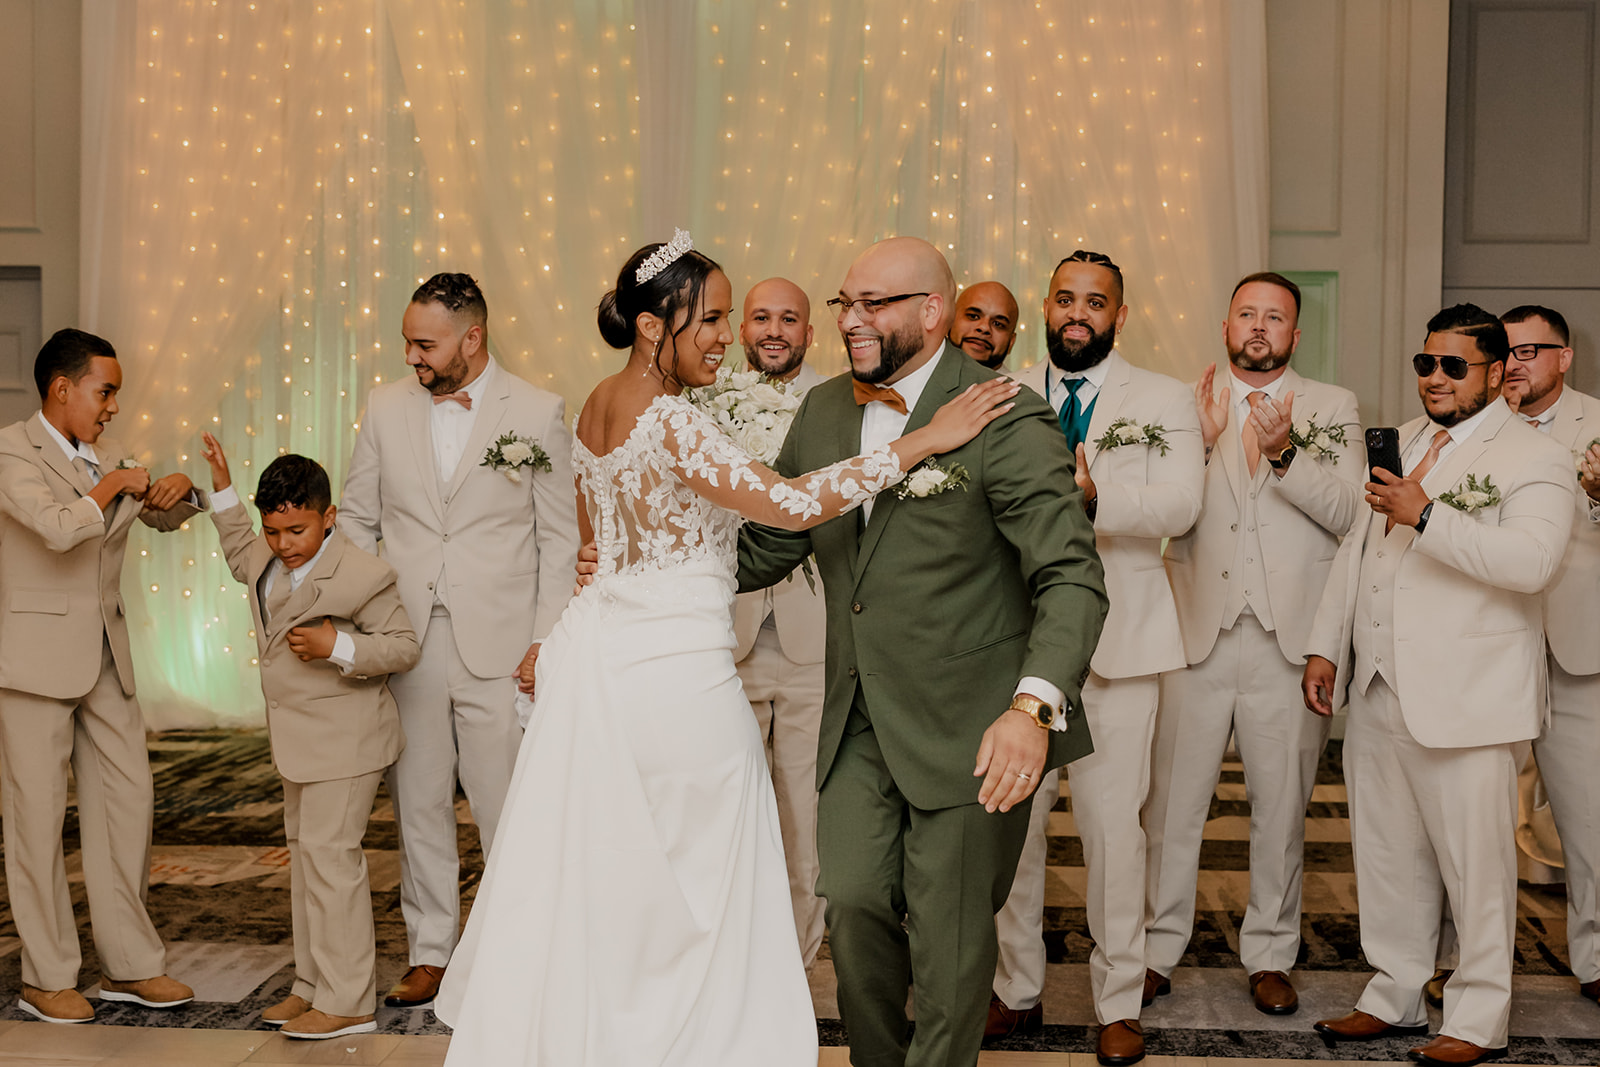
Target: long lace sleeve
{"type": "Point", "coordinates": [716, 468]}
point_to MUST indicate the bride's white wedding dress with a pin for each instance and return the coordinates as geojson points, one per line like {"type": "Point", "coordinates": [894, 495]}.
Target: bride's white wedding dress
{"type": "Point", "coordinates": [635, 910]}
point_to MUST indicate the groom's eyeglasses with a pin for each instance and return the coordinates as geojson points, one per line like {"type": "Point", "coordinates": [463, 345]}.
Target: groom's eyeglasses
{"type": "Point", "coordinates": [1455, 367]}
{"type": "Point", "coordinates": [868, 307]}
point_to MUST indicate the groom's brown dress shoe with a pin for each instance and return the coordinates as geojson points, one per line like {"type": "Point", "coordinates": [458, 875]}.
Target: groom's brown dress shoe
{"type": "Point", "coordinates": [1003, 1021]}
{"type": "Point", "coordinates": [1155, 985]}
{"type": "Point", "coordinates": [1359, 1026]}
{"type": "Point", "coordinates": [1273, 993]}
{"type": "Point", "coordinates": [1433, 988]}
{"type": "Point", "coordinates": [1453, 1052]}
{"type": "Point", "coordinates": [1120, 1043]}
{"type": "Point", "coordinates": [417, 989]}
{"type": "Point", "coordinates": [1591, 990]}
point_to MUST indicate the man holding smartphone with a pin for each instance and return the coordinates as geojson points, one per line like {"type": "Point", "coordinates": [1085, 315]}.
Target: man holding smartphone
{"type": "Point", "coordinates": [1434, 610]}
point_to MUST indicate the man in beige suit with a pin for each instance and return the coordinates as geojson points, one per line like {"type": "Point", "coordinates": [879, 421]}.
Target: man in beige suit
{"type": "Point", "coordinates": [1434, 610]}
{"type": "Point", "coordinates": [67, 499]}
{"type": "Point", "coordinates": [1568, 751]}
{"type": "Point", "coordinates": [330, 629]}
{"type": "Point", "coordinates": [1140, 466]}
{"type": "Point", "coordinates": [780, 632]}
{"type": "Point", "coordinates": [1247, 580]}
{"type": "Point", "coordinates": [464, 474]}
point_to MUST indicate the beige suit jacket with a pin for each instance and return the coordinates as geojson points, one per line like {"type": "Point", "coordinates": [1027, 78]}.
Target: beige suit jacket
{"type": "Point", "coordinates": [61, 566]}
{"type": "Point", "coordinates": [325, 724]}
{"type": "Point", "coordinates": [1300, 519]}
{"type": "Point", "coordinates": [797, 611]}
{"type": "Point", "coordinates": [1468, 600]}
{"type": "Point", "coordinates": [1572, 604]}
{"type": "Point", "coordinates": [507, 550]}
{"type": "Point", "coordinates": [1143, 496]}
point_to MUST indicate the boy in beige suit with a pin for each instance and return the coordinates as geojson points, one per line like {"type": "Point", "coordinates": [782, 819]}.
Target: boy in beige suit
{"type": "Point", "coordinates": [68, 497]}
{"type": "Point", "coordinates": [330, 629]}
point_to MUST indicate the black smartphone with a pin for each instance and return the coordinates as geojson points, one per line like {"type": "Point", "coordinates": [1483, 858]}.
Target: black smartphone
{"type": "Point", "coordinates": [1383, 450]}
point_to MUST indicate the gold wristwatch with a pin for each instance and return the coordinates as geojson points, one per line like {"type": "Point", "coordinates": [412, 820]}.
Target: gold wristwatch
{"type": "Point", "coordinates": [1041, 713]}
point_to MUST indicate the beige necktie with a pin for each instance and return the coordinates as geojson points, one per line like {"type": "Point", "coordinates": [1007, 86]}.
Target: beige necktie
{"type": "Point", "coordinates": [1247, 434]}
{"type": "Point", "coordinates": [278, 596]}
{"type": "Point", "coordinates": [87, 469]}
{"type": "Point", "coordinates": [1425, 464]}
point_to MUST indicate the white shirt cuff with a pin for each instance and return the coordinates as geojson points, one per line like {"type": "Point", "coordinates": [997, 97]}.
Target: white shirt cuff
{"type": "Point", "coordinates": [1050, 694]}
{"type": "Point", "coordinates": [343, 655]}
{"type": "Point", "coordinates": [223, 499]}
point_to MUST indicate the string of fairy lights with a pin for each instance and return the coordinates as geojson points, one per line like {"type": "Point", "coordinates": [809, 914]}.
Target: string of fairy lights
{"type": "Point", "coordinates": [283, 174]}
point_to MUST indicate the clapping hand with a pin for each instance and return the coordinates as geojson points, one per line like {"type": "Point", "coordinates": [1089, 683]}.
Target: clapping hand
{"type": "Point", "coordinates": [1080, 474]}
{"type": "Point", "coordinates": [1213, 411]}
{"type": "Point", "coordinates": [311, 642]}
{"type": "Point", "coordinates": [1589, 472]}
{"type": "Point", "coordinates": [211, 451]}
{"type": "Point", "coordinates": [1271, 421]}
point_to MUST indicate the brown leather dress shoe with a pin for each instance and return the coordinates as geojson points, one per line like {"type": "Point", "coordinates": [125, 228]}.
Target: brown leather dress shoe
{"type": "Point", "coordinates": [417, 989]}
{"type": "Point", "coordinates": [317, 1025]}
{"type": "Point", "coordinates": [1453, 1052]}
{"type": "Point", "coordinates": [1433, 988]}
{"type": "Point", "coordinates": [1590, 990]}
{"type": "Point", "coordinates": [1273, 993]}
{"type": "Point", "coordinates": [56, 1005]}
{"type": "Point", "coordinates": [1003, 1022]}
{"type": "Point", "coordinates": [1155, 985]}
{"type": "Point", "coordinates": [290, 1007]}
{"type": "Point", "coordinates": [157, 992]}
{"type": "Point", "coordinates": [1359, 1026]}
{"type": "Point", "coordinates": [1120, 1043]}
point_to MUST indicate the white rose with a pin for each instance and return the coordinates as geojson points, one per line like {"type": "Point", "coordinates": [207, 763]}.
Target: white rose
{"type": "Point", "coordinates": [761, 443]}
{"type": "Point", "coordinates": [1473, 499]}
{"type": "Point", "coordinates": [1129, 435]}
{"type": "Point", "coordinates": [925, 482]}
{"type": "Point", "coordinates": [517, 453]}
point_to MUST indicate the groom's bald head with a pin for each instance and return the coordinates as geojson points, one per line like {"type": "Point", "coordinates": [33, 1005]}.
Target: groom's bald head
{"type": "Point", "coordinates": [887, 343]}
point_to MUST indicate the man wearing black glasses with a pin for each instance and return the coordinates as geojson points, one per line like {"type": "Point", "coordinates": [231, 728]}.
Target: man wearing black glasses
{"type": "Point", "coordinates": [1434, 610]}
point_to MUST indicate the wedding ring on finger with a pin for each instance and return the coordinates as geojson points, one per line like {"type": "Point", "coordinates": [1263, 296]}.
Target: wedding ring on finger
{"type": "Point", "coordinates": [1024, 777]}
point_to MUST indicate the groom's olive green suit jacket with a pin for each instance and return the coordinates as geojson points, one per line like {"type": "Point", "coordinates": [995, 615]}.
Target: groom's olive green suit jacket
{"type": "Point", "coordinates": [940, 604]}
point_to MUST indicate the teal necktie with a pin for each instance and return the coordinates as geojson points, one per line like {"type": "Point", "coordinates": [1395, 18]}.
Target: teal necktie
{"type": "Point", "coordinates": [1074, 423]}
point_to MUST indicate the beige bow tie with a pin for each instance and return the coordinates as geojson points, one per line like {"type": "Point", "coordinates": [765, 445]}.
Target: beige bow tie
{"type": "Point", "coordinates": [461, 398]}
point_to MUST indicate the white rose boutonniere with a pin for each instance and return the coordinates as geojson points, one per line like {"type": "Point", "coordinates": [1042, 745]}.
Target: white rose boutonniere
{"type": "Point", "coordinates": [1127, 432]}
{"type": "Point", "coordinates": [930, 479]}
{"type": "Point", "coordinates": [1472, 496]}
{"type": "Point", "coordinates": [511, 453]}
{"type": "Point", "coordinates": [130, 464]}
{"type": "Point", "coordinates": [1318, 440]}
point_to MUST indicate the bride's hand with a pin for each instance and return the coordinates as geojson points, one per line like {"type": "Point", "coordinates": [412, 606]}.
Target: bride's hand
{"type": "Point", "coordinates": [960, 420]}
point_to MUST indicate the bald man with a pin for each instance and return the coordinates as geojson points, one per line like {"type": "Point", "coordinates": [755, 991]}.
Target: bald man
{"type": "Point", "coordinates": [959, 629]}
{"type": "Point", "coordinates": [985, 325]}
{"type": "Point", "coordinates": [778, 632]}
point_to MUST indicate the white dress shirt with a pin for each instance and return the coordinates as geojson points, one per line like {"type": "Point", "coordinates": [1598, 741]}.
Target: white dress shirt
{"type": "Point", "coordinates": [1544, 420]}
{"type": "Point", "coordinates": [452, 424]}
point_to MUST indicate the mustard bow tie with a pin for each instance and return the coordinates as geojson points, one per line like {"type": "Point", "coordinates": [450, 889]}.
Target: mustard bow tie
{"type": "Point", "coordinates": [866, 394]}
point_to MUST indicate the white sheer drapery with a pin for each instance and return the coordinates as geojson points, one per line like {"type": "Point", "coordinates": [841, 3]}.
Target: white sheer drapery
{"type": "Point", "coordinates": [266, 182]}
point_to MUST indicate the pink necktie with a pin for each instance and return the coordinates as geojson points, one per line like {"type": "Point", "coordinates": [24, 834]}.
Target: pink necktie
{"type": "Point", "coordinates": [1424, 465]}
{"type": "Point", "coordinates": [1247, 434]}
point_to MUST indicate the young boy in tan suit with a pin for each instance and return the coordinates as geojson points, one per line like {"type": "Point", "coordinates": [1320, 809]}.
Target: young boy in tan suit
{"type": "Point", "coordinates": [330, 629]}
{"type": "Point", "coordinates": [68, 496]}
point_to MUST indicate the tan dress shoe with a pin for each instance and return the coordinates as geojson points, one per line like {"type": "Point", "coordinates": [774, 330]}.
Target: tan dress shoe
{"type": "Point", "coordinates": [1003, 1021]}
{"type": "Point", "coordinates": [417, 989]}
{"type": "Point", "coordinates": [1273, 993]}
{"type": "Point", "coordinates": [1433, 988]}
{"type": "Point", "coordinates": [1453, 1052]}
{"type": "Point", "coordinates": [1359, 1026]}
{"type": "Point", "coordinates": [1120, 1043]}
{"type": "Point", "coordinates": [290, 1007]}
{"type": "Point", "coordinates": [317, 1025]}
{"type": "Point", "coordinates": [157, 992]}
{"type": "Point", "coordinates": [1155, 985]}
{"type": "Point", "coordinates": [56, 1006]}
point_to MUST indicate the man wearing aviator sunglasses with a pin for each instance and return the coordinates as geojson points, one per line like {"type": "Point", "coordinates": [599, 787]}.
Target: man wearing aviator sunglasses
{"type": "Point", "coordinates": [1434, 610]}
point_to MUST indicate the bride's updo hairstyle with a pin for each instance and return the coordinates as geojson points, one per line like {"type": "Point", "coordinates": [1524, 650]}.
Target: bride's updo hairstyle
{"type": "Point", "coordinates": [676, 289]}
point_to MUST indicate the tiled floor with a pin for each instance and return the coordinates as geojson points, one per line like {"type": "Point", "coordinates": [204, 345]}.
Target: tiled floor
{"type": "Point", "coordinates": [220, 894]}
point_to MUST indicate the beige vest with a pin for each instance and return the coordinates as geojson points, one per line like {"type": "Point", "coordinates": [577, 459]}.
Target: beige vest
{"type": "Point", "coordinates": [1373, 636]}
{"type": "Point", "coordinates": [1247, 577]}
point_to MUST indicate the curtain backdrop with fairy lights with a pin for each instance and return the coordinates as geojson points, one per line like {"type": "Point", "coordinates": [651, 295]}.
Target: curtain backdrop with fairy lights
{"type": "Point", "coordinates": [265, 182]}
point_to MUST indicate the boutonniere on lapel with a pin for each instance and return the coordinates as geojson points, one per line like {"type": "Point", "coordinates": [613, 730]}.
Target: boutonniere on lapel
{"type": "Point", "coordinates": [511, 453]}
{"type": "Point", "coordinates": [129, 464]}
{"type": "Point", "coordinates": [1315, 439]}
{"type": "Point", "coordinates": [1128, 432]}
{"type": "Point", "coordinates": [930, 479]}
{"type": "Point", "coordinates": [1472, 495]}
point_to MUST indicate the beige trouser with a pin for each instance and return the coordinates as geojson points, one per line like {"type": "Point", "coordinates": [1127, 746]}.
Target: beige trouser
{"type": "Point", "coordinates": [1430, 824]}
{"type": "Point", "coordinates": [1248, 689]}
{"type": "Point", "coordinates": [1108, 787]}
{"type": "Point", "coordinates": [456, 724]}
{"type": "Point", "coordinates": [335, 951]}
{"type": "Point", "coordinates": [1569, 760]}
{"type": "Point", "coordinates": [786, 698]}
{"type": "Point", "coordinates": [101, 737]}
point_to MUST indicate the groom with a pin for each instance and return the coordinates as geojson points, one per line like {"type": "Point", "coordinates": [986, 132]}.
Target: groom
{"type": "Point", "coordinates": [960, 627]}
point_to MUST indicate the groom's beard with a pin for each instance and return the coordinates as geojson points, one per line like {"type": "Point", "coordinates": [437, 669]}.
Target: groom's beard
{"type": "Point", "coordinates": [895, 350]}
{"type": "Point", "coordinates": [1076, 356]}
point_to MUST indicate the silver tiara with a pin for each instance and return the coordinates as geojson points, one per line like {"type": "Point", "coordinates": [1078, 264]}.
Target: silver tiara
{"type": "Point", "coordinates": [665, 256]}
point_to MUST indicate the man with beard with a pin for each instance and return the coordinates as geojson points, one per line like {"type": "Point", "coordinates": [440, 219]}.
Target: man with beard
{"type": "Point", "coordinates": [1247, 580]}
{"type": "Point", "coordinates": [985, 325]}
{"type": "Point", "coordinates": [961, 618]}
{"type": "Point", "coordinates": [1434, 610]}
{"type": "Point", "coordinates": [779, 631]}
{"type": "Point", "coordinates": [485, 563]}
{"type": "Point", "coordinates": [1140, 465]}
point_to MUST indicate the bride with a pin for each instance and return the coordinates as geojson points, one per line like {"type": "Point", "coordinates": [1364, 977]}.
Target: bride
{"type": "Point", "coordinates": [637, 910]}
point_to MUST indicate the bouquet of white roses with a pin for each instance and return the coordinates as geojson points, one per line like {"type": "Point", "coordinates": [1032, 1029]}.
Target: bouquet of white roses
{"type": "Point", "coordinates": [752, 408]}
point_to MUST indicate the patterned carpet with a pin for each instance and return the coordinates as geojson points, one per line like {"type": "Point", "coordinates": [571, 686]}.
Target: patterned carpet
{"type": "Point", "coordinates": [220, 896]}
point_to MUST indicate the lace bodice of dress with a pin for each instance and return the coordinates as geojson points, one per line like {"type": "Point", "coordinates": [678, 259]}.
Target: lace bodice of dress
{"type": "Point", "coordinates": [675, 492]}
